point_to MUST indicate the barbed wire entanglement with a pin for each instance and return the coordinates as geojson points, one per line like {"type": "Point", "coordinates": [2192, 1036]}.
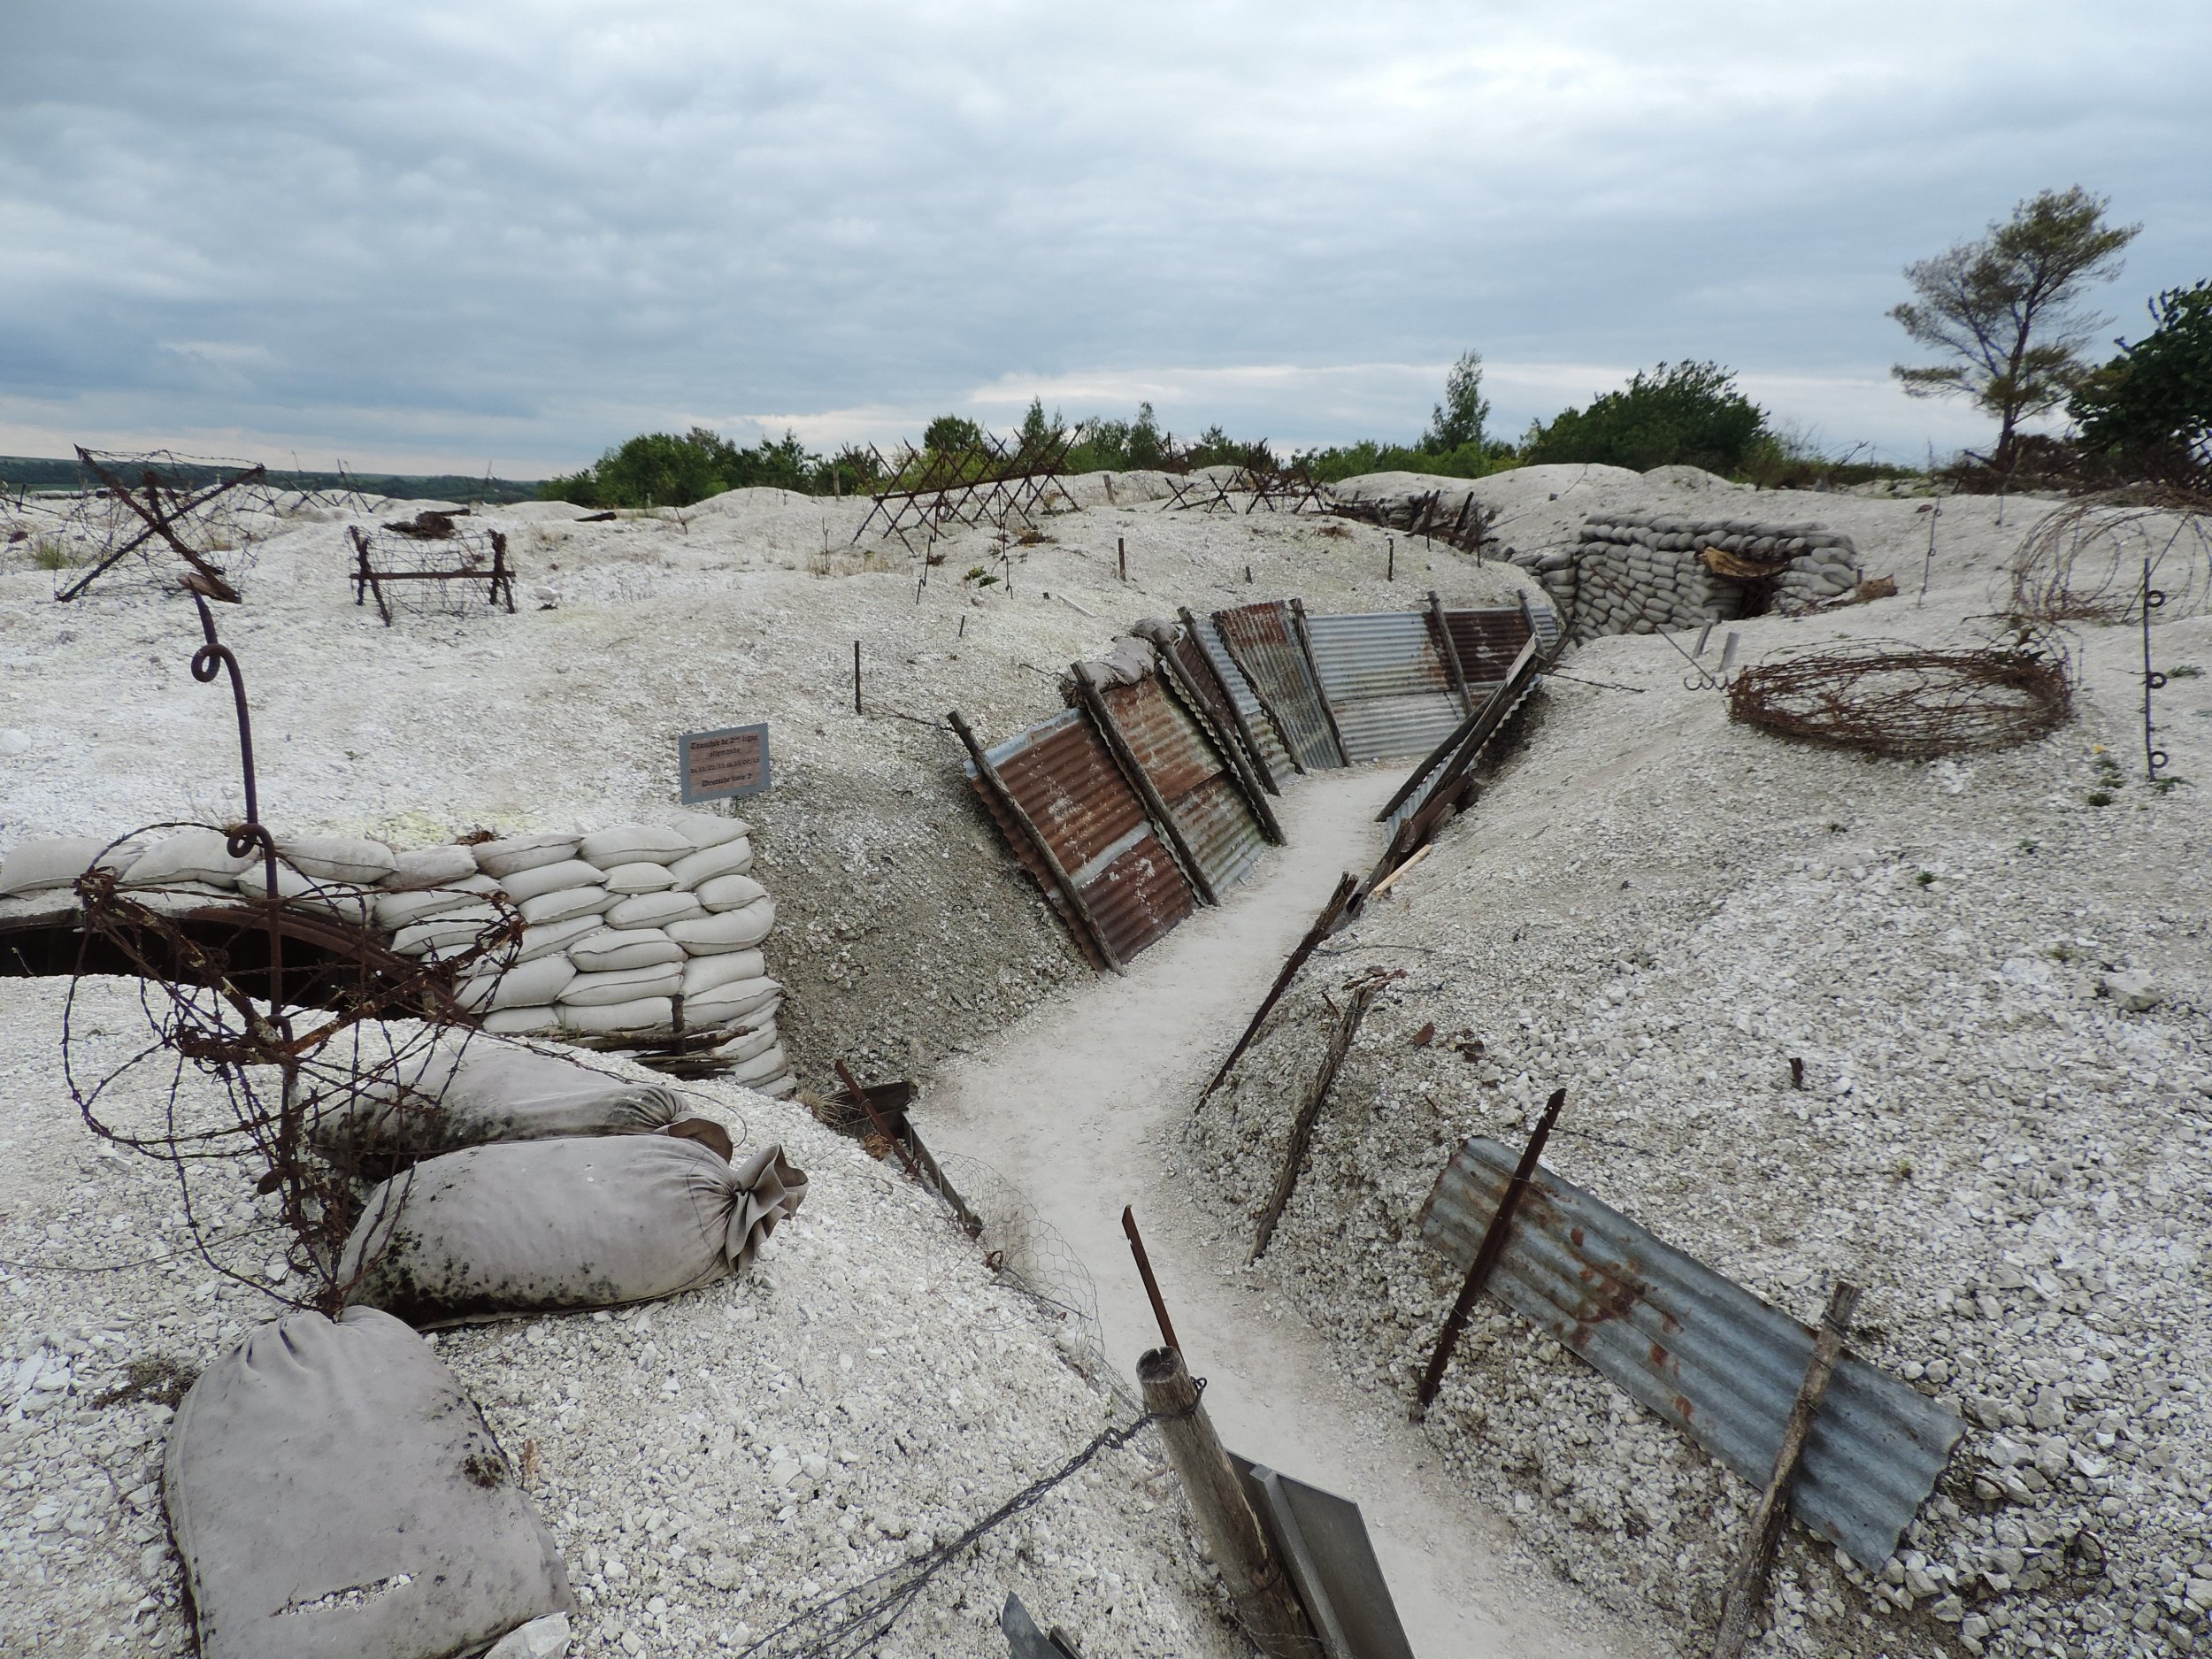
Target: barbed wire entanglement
{"type": "Point", "coordinates": [431, 564]}
{"type": "Point", "coordinates": [2082, 562]}
{"type": "Point", "coordinates": [153, 520]}
{"type": "Point", "coordinates": [284, 995]}
{"type": "Point", "coordinates": [1907, 701]}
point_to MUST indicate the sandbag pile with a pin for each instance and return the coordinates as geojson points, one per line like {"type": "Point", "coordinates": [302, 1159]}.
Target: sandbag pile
{"type": "Point", "coordinates": [640, 930]}
{"type": "Point", "coordinates": [1631, 573]}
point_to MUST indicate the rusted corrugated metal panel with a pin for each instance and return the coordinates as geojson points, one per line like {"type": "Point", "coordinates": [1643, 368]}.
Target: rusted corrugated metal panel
{"type": "Point", "coordinates": [1699, 1349]}
{"type": "Point", "coordinates": [1192, 778]}
{"type": "Point", "coordinates": [1273, 751]}
{"type": "Point", "coordinates": [1261, 639]}
{"type": "Point", "coordinates": [1488, 640]}
{"type": "Point", "coordinates": [1390, 691]}
{"type": "Point", "coordinates": [1066, 780]}
{"type": "Point", "coordinates": [1446, 769]}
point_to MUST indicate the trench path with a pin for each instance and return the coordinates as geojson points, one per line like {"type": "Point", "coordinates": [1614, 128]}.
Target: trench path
{"type": "Point", "coordinates": [1078, 1104]}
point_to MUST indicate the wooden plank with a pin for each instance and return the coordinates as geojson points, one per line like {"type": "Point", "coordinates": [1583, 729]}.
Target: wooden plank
{"type": "Point", "coordinates": [1309, 1113]}
{"type": "Point", "coordinates": [1323, 925]}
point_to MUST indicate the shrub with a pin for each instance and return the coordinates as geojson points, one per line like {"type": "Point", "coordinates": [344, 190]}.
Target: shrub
{"type": "Point", "coordinates": [2149, 410]}
{"type": "Point", "coordinates": [657, 469]}
{"type": "Point", "coordinates": [1684, 413]}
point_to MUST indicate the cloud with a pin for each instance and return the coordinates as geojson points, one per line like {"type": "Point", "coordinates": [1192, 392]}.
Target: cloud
{"type": "Point", "coordinates": [525, 230]}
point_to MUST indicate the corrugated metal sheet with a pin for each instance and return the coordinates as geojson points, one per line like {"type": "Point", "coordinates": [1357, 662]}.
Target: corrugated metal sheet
{"type": "Point", "coordinates": [1066, 780]}
{"type": "Point", "coordinates": [1192, 778]}
{"type": "Point", "coordinates": [1273, 751]}
{"type": "Point", "coordinates": [1699, 1349]}
{"type": "Point", "coordinates": [1262, 640]}
{"type": "Point", "coordinates": [1454, 766]}
{"type": "Point", "coordinates": [1389, 689]}
{"type": "Point", "coordinates": [1487, 641]}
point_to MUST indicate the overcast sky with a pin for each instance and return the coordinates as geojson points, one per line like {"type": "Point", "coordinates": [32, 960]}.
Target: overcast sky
{"type": "Point", "coordinates": [449, 236]}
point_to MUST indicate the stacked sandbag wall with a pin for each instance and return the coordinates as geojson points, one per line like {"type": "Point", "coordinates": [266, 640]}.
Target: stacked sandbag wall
{"type": "Point", "coordinates": [627, 931]}
{"type": "Point", "coordinates": [1632, 572]}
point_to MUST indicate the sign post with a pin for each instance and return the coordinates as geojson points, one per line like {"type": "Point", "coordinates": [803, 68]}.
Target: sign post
{"type": "Point", "coordinates": [724, 763]}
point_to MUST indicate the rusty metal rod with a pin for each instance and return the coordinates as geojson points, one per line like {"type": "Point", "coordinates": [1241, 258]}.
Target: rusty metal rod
{"type": "Point", "coordinates": [1309, 1113]}
{"type": "Point", "coordinates": [1747, 1584]}
{"type": "Point", "coordinates": [1151, 1285]}
{"type": "Point", "coordinates": [1493, 1246]}
{"type": "Point", "coordinates": [1323, 926]}
{"type": "Point", "coordinates": [860, 1098]}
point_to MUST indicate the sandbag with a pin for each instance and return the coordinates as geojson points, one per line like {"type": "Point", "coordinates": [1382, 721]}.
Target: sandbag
{"type": "Point", "coordinates": [534, 984]}
{"type": "Point", "coordinates": [728, 859]}
{"type": "Point", "coordinates": [554, 877]}
{"type": "Point", "coordinates": [622, 984]}
{"type": "Point", "coordinates": [347, 903]}
{"type": "Point", "coordinates": [726, 930]}
{"type": "Point", "coordinates": [639, 877]}
{"type": "Point", "coordinates": [536, 1226]}
{"type": "Point", "coordinates": [704, 973]}
{"type": "Point", "coordinates": [646, 1013]}
{"type": "Point", "coordinates": [726, 1002]}
{"type": "Point", "coordinates": [653, 909]}
{"type": "Point", "coordinates": [430, 867]}
{"type": "Point", "coordinates": [353, 859]}
{"type": "Point", "coordinates": [770, 1062]}
{"type": "Point", "coordinates": [500, 859]}
{"type": "Point", "coordinates": [396, 911]}
{"type": "Point", "coordinates": [706, 829]}
{"type": "Point", "coordinates": [746, 1046]}
{"type": "Point", "coordinates": [456, 930]}
{"type": "Point", "coordinates": [193, 855]}
{"type": "Point", "coordinates": [652, 843]}
{"type": "Point", "coordinates": [333, 1491]}
{"type": "Point", "coordinates": [58, 861]}
{"type": "Point", "coordinates": [522, 1022]}
{"type": "Point", "coordinates": [567, 903]}
{"type": "Point", "coordinates": [453, 1097]}
{"type": "Point", "coordinates": [615, 948]}
{"type": "Point", "coordinates": [729, 893]}
{"type": "Point", "coordinates": [551, 936]}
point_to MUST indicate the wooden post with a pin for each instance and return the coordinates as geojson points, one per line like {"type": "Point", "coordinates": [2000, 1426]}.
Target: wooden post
{"type": "Point", "coordinates": [1240, 772]}
{"type": "Point", "coordinates": [1144, 1271]}
{"type": "Point", "coordinates": [1486, 1254]}
{"type": "Point", "coordinates": [1313, 665]}
{"type": "Point", "coordinates": [1323, 925]}
{"type": "Point", "coordinates": [1391, 574]}
{"type": "Point", "coordinates": [1449, 648]}
{"type": "Point", "coordinates": [1266, 1604]}
{"type": "Point", "coordinates": [1121, 556]}
{"type": "Point", "coordinates": [1309, 1113]}
{"type": "Point", "coordinates": [1141, 782]}
{"type": "Point", "coordinates": [1078, 910]}
{"type": "Point", "coordinates": [1747, 1584]}
{"type": "Point", "coordinates": [856, 676]}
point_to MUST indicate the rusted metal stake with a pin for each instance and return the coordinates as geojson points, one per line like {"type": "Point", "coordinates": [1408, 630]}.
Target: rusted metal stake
{"type": "Point", "coordinates": [856, 676]}
{"type": "Point", "coordinates": [860, 1099]}
{"type": "Point", "coordinates": [1747, 1584]}
{"type": "Point", "coordinates": [1486, 1255]}
{"type": "Point", "coordinates": [1309, 1113]}
{"type": "Point", "coordinates": [1151, 1285]}
{"type": "Point", "coordinates": [1323, 925]}
{"type": "Point", "coordinates": [1121, 556]}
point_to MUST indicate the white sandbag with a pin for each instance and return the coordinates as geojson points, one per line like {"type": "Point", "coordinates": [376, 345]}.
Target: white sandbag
{"type": "Point", "coordinates": [430, 867]}
{"type": "Point", "coordinates": [770, 1062]}
{"type": "Point", "coordinates": [707, 829]}
{"type": "Point", "coordinates": [729, 893]}
{"type": "Point", "coordinates": [653, 843]}
{"type": "Point", "coordinates": [526, 985]}
{"type": "Point", "coordinates": [744, 1046]}
{"type": "Point", "coordinates": [782, 1088]}
{"type": "Point", "coordinates": [444, 934]}
{"type": "Point", "coordinates": [554, 877]}
{"type": "Point", "coordinates": [353, 859]}
{"type": "Point", "coordinates": [469, 1095]}
{"type": "Point", "coordinates": [522, 1022]}
{"type": "Point", "coordinates": [396, 911]}
{"type": "Point", "coordinates": [193, 855]}
{"type": "Point", "coordinates": [653, 909]}
{"type": "Point", "coordinates": [648, 1013]}
{"type": "Point", "coordinates": [500, 859]}
{"type": "Point", "coordinates": [622, 984]}
{"type": "Point", "coordinates": [566, 904]}
{"type": "Point", "coordinates": [531, 1226]}
{"type": "Point", "coordinates": [612, 949]}
{"type": "Point", "coordinates": [726, 930]}
{"type": "Point", "coordinates": [639, 877]}
{"type": "Point", "coordinates": [730, 859]}
{"type": "Point", "coordinates": [347, 903]}
{"type": "Point", "coordinates": [543, 941]}
{"type": "Point", "coordinates": [726, 1002]}
{"type": "Point", "coordinates": [704, 973]}
{"type": "Point", "coordinates": [332, 1490]}
{"type": "Point", "coordinates": [56, 861]}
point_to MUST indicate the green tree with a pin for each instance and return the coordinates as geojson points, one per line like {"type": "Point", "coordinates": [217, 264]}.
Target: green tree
{"type": "Point", "coordinates": [948, 432]}
{"type": "Point", "coordinates": [2150, 408]}
{"type": "Point", "coordinates": [2006, 310]}
{"type": "Point", "coordinates": [1689, 414]}
{"type": "Point", "coordinates": [1457, 422]}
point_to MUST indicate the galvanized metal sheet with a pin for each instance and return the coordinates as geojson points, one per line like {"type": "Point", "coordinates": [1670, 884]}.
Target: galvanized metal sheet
{"type": "Point", "coordinates": [1487, 642]}
{"type": "Point", "coordinates": [1138, 896]}
{"type": "Point", "coordinates": [1699, 1349]}
{"type": "Point", "coordinates": [1389, 689]}
{"type": "Point", "coordinates": [1263, 640]}
{"type": "Point", "coordinates": [1273, 752]}
{"type": "Point", "coordinates": [1443, 772]}
{"type": "Point", "coordinates": [1323, 1539]}
{"type": "Point", "coordinates": [1191, 776]}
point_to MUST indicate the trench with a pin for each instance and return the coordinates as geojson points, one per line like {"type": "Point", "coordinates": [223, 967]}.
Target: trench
{"type": "Point", "coordinates": [1076, 1105]}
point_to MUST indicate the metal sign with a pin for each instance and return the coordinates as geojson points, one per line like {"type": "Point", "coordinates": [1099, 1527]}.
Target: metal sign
{"type": "Point", "coordinates": [715, 766]}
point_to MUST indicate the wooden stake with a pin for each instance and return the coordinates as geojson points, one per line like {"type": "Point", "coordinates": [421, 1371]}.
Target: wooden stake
{"type": "Point", "coordinates": [1747, 1584]}
{"type": "Point", "coordinates": [1266, 1604]}
{"type": "Point", "coordinates": [856, 676]}
{"type": "Point", "coordinates": [1141, 781]}
{"type": "Point", "coordinates": [1323, 925]}
{"type": "Point", "coordinates": [1309, 1113]}
{"type": "Point", "coordinates": [1121, 556]}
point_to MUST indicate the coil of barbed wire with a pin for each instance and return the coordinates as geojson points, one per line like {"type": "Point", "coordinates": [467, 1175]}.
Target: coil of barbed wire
{"type": "Point", "coordinates": [1910, 701]}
